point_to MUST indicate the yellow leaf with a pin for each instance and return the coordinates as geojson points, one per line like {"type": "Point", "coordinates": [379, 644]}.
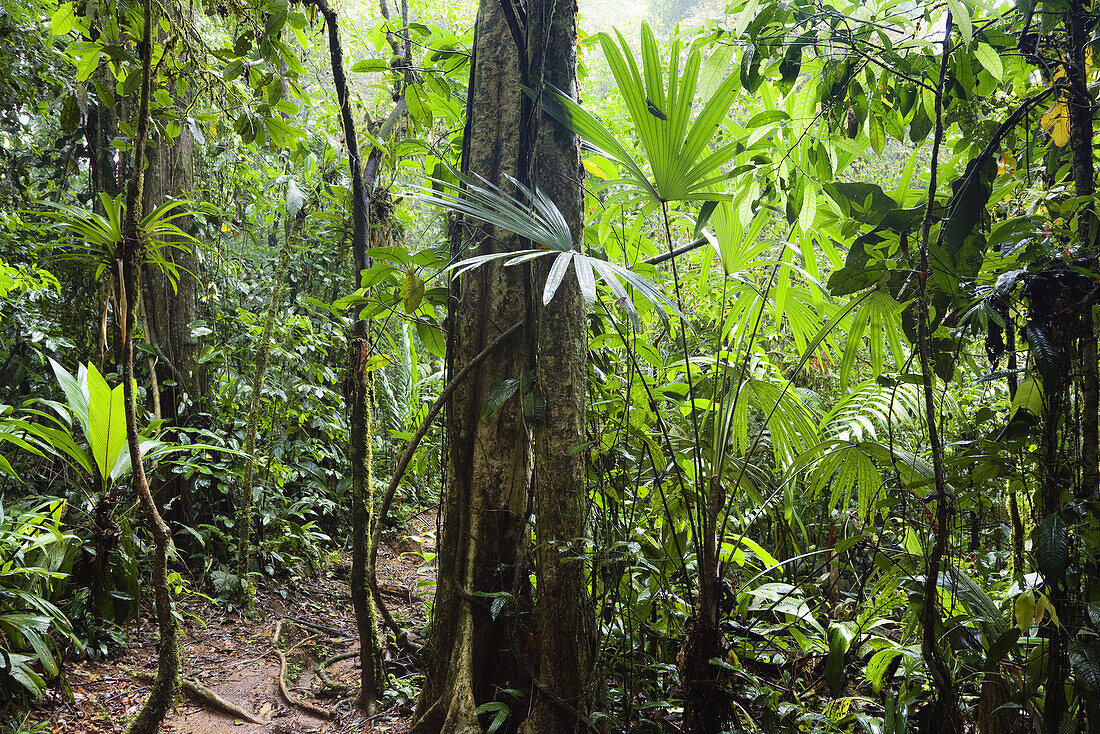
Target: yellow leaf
{"type": "Point", "coordinates": [1043, 604]}
{"type": "Point", "coordinates": [601, 168]}
{"type": "Point", "coordinates": [1056, 122]}
{"type": "Point", "coordinates": [1007, 163]}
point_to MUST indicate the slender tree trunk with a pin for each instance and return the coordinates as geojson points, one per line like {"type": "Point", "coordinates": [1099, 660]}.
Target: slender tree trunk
{"type": "Point", "coordinates": [1056, 396]}
{"type": "Point", "coordinates": [356, 392]}
{"type": "Point", "coordinates": [245, 505]}
{"type": "Point", "coordinates": [473, 653]}
{"type": "Point", "coordinates": [563, 615]}
{"type": "Point", "coordinates": [165, 685]}
{"type": "Point", "coordinates": [1081, 105]}
{"type": "Point", "coordinates": [707, 705]}
{"type": "Point", "coordinates": [357, 389]}
{"type": "Point", "coordinates": [947, 709]}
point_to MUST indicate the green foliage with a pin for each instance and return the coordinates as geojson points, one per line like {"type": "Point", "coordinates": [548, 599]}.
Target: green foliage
{"type": "Point", "coordinates": [36, 557]}
{"type": "Point", "coordinates": [674, 139]}
{"type": "Point", "coordinates": [94, 238]}
{"type": "Point", "coordinates": [778, 418]}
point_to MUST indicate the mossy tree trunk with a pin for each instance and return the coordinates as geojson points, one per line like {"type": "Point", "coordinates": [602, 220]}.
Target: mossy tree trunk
{"type": "Point", "coordinates": [506, 466]}
{"type": "Point", "coordinates": [131, 257]}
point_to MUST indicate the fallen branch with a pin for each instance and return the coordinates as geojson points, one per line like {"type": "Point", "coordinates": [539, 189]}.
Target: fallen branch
{"type": "Point", "coordinates": [331, 631]}
{"type": "Point", "coordinates": [281, 678]}
{"type": "Point", "coordinates": [404, 595]}
{"type": "Point", "coordinates": [206, 695]}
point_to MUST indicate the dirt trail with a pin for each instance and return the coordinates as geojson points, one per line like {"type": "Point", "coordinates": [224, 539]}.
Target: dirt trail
{"type": "Point", "coordinates": [234, 657]}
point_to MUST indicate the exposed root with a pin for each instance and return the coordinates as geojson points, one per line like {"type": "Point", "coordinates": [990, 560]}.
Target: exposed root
{"type": "Point", "coordinates": [331, 631]}
{"type": "Point", "coordinates": [322, 671]}
{"type": "Point", "coordinates": [306, 706]}
{"type": "Point", "coordinates": [205, 695]}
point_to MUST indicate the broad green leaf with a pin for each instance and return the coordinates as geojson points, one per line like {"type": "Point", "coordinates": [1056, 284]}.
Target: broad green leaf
{"type": "Point", "coordinates": [1050, 544]}
{"type": "Point", "coordinates": [714, 71]}
{"type": "Point", "coordinates": [498, 396]}
{"type": "Point", "coordinates": [295, 197]}
{"type": "Point", "coordinates": [840, 638]}
{"type": "Point", "coordinates": [1084, 658]}
{"type": "Point", "coordinates": [432, 338]}
{"type": "Point", "coordinates": [106, 422]}
{"type": "Point", "coordinates": [370, 65]}
{"type": "Point", "coordinates": [989, 59]}
{"type": "Point", "coordinates": [878, 665]}
{"type": "Point", "coordinates": [962, 20]}
{"type": "Point", "coordinates": [1029, 397]}
{"type": "Point", "coordinates": [412, 291]}
{"type": "Point", "coordinates": [76, 392]}
{"type": "Point", "coordinates": [877, 132]}
{"type": "Point", "coordinates": [63, 20]}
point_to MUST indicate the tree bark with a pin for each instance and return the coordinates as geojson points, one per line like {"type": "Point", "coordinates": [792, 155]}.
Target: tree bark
{"type": "Point", "coordinates": [472, 653]}
{"type": "Point", "coordinates": [170, 175]}
{"type": "Point", "coordinates": [170, 309]}
{"type": "Point", "coordinates": [372, 679]}
{"type": "Point", "coordinates": [357, 389]}
{"type": "Point", "coordinates": [1081, 104]}
{"type": "Point", "coordinates": [563, 617]}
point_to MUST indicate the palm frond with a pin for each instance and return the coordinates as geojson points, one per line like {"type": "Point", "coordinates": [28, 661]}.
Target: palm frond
{"type": "Point", "coordinates": [94, 238]}
{"type": "Point", "coordinates": [534, 217]}
{"type": "Point", "coordinates": [870, 407]}
{"type": "Point", "coordinates": [538, 219]}
{"type": "Point", "coordinates": [681, 165]}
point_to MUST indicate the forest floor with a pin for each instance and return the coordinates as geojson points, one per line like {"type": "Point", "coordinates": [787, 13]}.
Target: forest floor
{"type": "Point", "coordinates": [233, 655]}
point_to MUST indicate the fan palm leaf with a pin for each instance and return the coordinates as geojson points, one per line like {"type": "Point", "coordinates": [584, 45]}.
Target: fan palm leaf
{"type": "Point", "coordinates": [676, 145]}
{"type": "Point", "coordinates": [538, 220]}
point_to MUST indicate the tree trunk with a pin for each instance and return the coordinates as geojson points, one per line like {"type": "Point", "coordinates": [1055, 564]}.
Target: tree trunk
{"type": "Point", "coordinates": [707, 702]}
{"type": "Point", "coordinates": [357, 389]}
{"type": "Point", "coordinates": [170, 311]}
{"type": "Point", "coordinates": [131, 256]}
{"type": "Point", "coordinates": [472, 652]}
{"type": "Point", "coordinates": [181, 384]}
{"type": "Point", "coordinates": [563, 617]}
{"type": "Point", "coordinates": [244, 504]}
{"type": "Point", "coordinates": [356, 392]}
{"type": "Point", "coordinates": [1084, 180]}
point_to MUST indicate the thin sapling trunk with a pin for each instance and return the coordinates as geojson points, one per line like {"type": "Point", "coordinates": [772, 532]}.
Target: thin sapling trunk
{"type": "Point", "coordinates": [163, 691]}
